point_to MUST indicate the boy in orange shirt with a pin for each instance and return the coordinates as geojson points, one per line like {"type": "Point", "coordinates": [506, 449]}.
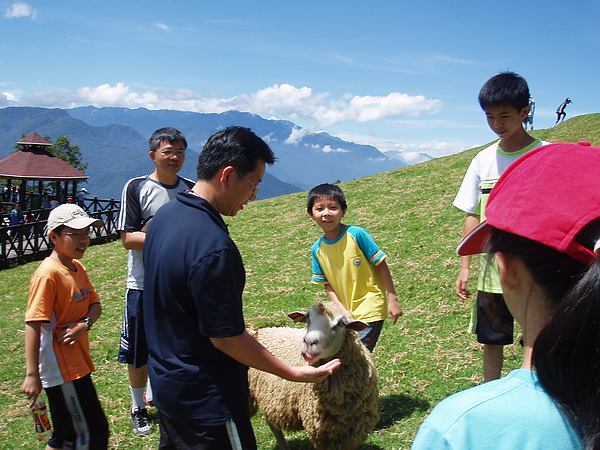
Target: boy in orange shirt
{"type": "Point", "coordinates": [63, 305]}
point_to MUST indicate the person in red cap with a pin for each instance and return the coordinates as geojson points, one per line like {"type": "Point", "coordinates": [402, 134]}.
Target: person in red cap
{"type": "Point", "coordinates": [543, 229]}
{"type": "Point", "coordinates": [505, 100]}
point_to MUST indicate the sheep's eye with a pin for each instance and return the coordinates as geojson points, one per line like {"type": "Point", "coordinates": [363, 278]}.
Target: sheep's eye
{"type": "Point", "coordinates": [337, 326]}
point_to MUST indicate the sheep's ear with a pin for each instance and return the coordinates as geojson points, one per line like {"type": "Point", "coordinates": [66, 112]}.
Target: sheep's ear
{"type": "Point", "coordinates": [356, 325]}
{"type": "Point", "coordinates": [351, 324]}
{"type": "Point", "coordinates": [298, 316]}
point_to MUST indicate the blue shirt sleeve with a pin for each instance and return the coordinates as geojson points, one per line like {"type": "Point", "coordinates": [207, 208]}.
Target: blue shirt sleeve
{"type": "Point", "coordinates": [429, 438]}
{"type": "Point", "coordinates": [367, 245]}
{"type": "Point", "coordinates": [318, 276]}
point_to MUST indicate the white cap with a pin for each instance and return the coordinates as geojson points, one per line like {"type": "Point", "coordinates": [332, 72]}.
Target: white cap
{"type": "Point", "coordinates": [71, 216]}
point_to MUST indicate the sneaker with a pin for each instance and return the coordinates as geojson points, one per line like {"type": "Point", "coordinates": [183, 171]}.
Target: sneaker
{"type": "Point", "coordinates": [140, 422]}
{"type": "Point", "coordinates": [148, 402]}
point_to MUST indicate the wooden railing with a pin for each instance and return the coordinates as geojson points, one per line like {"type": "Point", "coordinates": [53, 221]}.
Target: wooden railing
{"type": "Point", "coordinates": [29, 241]}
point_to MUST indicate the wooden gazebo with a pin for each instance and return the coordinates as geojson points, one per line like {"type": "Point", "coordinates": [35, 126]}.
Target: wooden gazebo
{"type": "Point", "coordinates": [33, 162]}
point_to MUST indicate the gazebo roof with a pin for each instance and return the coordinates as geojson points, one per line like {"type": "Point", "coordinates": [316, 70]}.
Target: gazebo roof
{"type": "Point", "coordinates": [34, 162]}
{"type": "Point", "coordinates": [34, 139]}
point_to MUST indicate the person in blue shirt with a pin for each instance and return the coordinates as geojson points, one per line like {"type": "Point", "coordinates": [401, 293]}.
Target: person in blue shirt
{"type": "Point", "coordinates": [198, 348]}
{"type": "Point", "coordinates": [16, 217]}
{"type": "Point", "coordinates": [543, 229]}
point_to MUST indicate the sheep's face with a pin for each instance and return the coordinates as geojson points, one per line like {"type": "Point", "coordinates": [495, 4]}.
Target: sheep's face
{"type": "Point", "coordinates": [324, 332]}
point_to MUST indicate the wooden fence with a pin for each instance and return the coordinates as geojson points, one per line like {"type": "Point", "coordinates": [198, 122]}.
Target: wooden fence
{"type": "Point", "coordinates": [29, 241]}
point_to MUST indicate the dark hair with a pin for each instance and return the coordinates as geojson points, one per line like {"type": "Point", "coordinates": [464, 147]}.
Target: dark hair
{"type": "Point", "coordinates": [169, 134]}
{"type": "Point", "coordinates": [326, 190]}
{"type": "Point", "coordinates": [505, 89]}
{"type": "Point", "coordinates": [566, 353]}
{"type": "Point", "coordinates": [234, 146]}
{"type": "Point", "coordinates": [59, 229]}
{"type": "Point", "coordinates": [566, 356]}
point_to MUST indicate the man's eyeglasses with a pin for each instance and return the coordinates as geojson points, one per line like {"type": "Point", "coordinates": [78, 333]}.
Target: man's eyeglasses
{"type": "Point", "coordinates": [256, 188]}
{"type": "Point", "coordinates": [81, 236]}
{"type": "Point", "coordinates": [169, 153]}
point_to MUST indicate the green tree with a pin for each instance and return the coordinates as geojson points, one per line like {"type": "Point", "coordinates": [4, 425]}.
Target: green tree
{"type": "Point", "coordinates": [68, 152]}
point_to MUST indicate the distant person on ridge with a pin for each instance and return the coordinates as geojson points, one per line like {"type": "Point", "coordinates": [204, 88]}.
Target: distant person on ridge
{"type": "Point", "coordinates": [141, 198]}
{"type": "Point", "coordinates": [505, 100]}
{"type": "Point", "coordinates": [362, 285]}
{"type": "Point", "coordinates": [529, 118]}
{"type": "Point", "coordinates": [560, 112]}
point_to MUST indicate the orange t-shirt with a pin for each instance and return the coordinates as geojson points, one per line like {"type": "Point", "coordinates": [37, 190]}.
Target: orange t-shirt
{"type": "Point", "coordinates": [57, 296]}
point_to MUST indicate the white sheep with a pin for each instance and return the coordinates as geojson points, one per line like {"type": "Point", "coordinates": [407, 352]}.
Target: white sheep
{"type": "Point", "coordinates": [339, 412]}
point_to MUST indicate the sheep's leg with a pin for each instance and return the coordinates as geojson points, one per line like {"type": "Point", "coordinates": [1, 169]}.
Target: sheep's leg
{"type": "Point", "coordinates": [281, 442]}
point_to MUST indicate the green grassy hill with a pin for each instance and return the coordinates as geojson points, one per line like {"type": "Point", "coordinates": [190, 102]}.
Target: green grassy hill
{"type": "Point", "coordinates": [425, 357]}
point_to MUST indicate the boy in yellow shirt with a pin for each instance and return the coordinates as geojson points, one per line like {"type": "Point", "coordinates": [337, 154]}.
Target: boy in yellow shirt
{"type": "Point", "coordinates": [348, 262]}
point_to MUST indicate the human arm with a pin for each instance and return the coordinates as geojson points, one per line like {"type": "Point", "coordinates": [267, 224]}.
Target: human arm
{"type": "Point", "coordinates": [32, 386]}
{"type": "Point", "coordinates": [248, 351]}
{"type": "Point", "coordinates": [133, 240]}
{"type": "Point", "coordinates": [471, 222]}
{"type": "Point", "coordinates": [335, 299]}
{"type": "Point", "coordinates": [394, 309]}
{"type": "Point", "coordinates": [73, 330]}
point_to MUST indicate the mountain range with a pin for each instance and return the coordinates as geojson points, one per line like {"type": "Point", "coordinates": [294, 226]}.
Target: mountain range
{"type": "Point", "coordinates": [114, 143]}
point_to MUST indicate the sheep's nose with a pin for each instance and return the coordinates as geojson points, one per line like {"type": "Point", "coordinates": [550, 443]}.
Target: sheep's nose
{"type": "Point", "coordinates": [311, 340]}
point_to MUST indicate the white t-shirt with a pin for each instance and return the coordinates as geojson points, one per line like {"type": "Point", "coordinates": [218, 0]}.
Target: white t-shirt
{"type": "Point", "coordinates": [482, 175]}
{"type": "Point", "coordinates": [141, 198]}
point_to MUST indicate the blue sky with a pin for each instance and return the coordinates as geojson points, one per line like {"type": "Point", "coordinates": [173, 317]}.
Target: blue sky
{"type": "Point", "coordinates": [397, 75]}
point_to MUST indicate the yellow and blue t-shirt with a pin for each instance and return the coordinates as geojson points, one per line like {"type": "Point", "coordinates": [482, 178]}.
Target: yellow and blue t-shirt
{"type": "Point", "coordinates": [348, 264]}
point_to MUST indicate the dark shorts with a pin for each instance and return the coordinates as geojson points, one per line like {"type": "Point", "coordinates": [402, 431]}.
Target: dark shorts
{"type": "Point", "coordinates": [133, 348]}
{"type": "Point", "coordinates": [229, 436]}
{"type": "Point", "coordinates": [370, 335]}
{"type": "Point", "coordinates": [495, 323]}
{"type": "Point", "coordinates": [75, 406]}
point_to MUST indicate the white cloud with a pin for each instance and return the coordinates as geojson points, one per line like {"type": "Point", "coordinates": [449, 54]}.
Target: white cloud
{"type": "Point", "coordinates": [5, 98]}
{"type": "Point", "coordinates": [342, 58]}
{"type": "Point", "coordinates": [17, 10]}
{"type": "Point", "coordinates": [162, 26]}
{"type": "Point", "coordinates": [280, 100]}
{"type": "Point", "coordinates": [408, 151]}
{"type": "Point", "coordinates": [296, 135]}
{"type": "Point", "coordinates": [329, 149]}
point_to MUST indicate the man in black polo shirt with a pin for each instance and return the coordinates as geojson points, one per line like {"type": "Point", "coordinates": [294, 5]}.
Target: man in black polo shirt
{"type": "Point", "coordinates": [199, 351]}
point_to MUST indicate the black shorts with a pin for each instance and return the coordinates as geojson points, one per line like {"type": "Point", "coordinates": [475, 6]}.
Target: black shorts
{"type": "Point", "coordinates": [75, 406]}
{"type": "Point", "coordinates": [370, 335]}
{"type": "Point", "coordinates": [229, 436]}
{"type": "Point", "coordinates": [495, 323]}
{"type": "Point", "coordinates": [133, 348]}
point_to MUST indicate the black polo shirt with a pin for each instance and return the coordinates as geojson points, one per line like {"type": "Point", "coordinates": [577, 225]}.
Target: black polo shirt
{"type": "Point", "coordinates": [193, 284]}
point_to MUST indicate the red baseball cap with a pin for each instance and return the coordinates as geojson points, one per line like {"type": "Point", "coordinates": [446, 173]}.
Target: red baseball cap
{"type": "Point", "coordinates": [547, 195]}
